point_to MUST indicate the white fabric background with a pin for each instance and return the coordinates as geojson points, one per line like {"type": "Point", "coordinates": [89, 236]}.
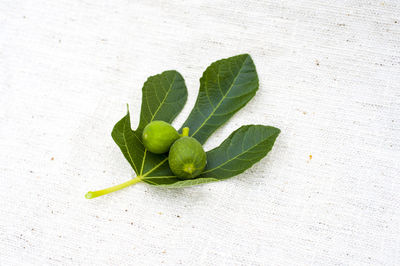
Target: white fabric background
{"type": "Point", "coordinates": [329, 79]}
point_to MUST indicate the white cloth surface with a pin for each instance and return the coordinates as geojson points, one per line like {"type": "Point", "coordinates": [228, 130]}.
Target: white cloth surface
{"type": "Point", "coordinates": [329, 79]}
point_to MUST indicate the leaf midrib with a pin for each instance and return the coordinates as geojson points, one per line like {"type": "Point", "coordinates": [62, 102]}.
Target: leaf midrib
{"type": "Point", "coordinates": [151, 119]}
{"type": "Point", "coordinates": [163, 101]}
{"type": "Point", "coordinates": [223, 97]}
{"type": "Point", "coordinates": [155, 167]}
{"type": "Point", "coordinates": [240, 154]}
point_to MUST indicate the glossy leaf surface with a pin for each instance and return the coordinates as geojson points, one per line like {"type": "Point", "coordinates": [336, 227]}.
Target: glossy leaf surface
{"type": "Point", "coordinates": [243, 148]}
{"type": "Point", "coordinates": [225, 87]}
{"type": "Point", "coordinates": [164, 96]}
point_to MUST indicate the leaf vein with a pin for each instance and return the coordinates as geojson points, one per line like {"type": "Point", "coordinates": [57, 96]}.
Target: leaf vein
{"type": "Point", "coordinates": [220, 102]}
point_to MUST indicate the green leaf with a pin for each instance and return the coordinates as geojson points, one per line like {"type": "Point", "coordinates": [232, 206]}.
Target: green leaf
{"type": "Point", "coordinates": [243, 148]}
{"type": "Point", "coordinates": [164, 96]}
{"type": "Point", "coordinates": [225, 87]}
{"type": "Point", "coordinates": [129, 142]}
{"type": "Point", "coordinates": [131, 145]}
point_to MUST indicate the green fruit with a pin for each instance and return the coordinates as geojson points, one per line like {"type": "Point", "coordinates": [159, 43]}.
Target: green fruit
{"type": "Point", "coordinates": [187, 158]}
{"type": "Point", "coordinates": [158, 136]}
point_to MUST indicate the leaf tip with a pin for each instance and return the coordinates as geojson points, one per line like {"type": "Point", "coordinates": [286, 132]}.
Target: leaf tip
{"type": "Point", "coordinates": [245, 55]}
{"type": "Point", "coordinates": [275, 132]}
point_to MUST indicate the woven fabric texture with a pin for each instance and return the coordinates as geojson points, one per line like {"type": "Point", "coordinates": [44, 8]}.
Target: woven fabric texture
{"type": "Point", "coordinates": [327, 193]}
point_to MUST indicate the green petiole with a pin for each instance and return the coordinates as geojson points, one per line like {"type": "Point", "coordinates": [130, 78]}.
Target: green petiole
{"type": "Point", "coordinates": [98, 193]}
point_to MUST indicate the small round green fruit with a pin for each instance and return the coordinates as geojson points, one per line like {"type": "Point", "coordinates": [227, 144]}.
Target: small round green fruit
{"type": "Point", "coordinates": [158, 136]}
{"type": "Point", "coordinates": [187, 158]}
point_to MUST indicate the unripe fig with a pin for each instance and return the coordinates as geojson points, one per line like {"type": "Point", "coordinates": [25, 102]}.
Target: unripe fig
{"type": "Point", "coordinates": [187, 158]}
{"type": "Point", "coordinates": [158, 136]}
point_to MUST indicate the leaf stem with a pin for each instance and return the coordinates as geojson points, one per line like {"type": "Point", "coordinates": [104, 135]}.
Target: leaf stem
{"type": "Point", "coordinates": [185, 132]}
{"type": "Point", "coordinates": [98, 193]}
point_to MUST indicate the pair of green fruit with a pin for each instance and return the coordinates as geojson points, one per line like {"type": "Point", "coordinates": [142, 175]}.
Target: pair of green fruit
{"type": "Point", "coordinates": [186, 157]}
